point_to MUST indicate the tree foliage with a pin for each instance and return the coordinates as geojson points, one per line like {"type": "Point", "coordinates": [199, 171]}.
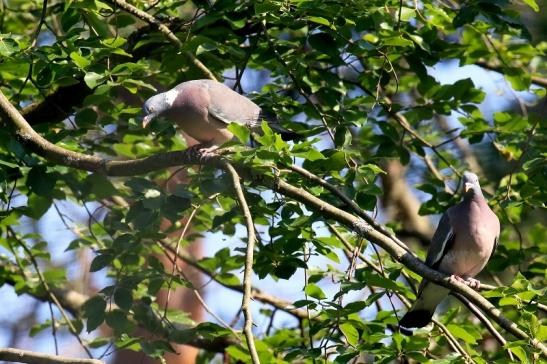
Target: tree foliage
{"type": "Point", "coordinates": [360, 81]}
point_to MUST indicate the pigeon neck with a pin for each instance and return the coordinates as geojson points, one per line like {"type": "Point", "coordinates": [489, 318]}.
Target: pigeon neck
{"type": "Point", "coordinates": [476, 196]}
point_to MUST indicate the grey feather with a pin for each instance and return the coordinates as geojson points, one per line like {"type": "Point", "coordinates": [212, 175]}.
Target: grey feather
{"type": "Point", "coordinates": [439, 242]}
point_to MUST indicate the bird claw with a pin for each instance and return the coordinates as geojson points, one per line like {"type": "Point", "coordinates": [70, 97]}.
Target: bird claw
{"type": "Point", "coordinates": [203, 152]}
{"type": "Point", "coordinates": [471, 282]}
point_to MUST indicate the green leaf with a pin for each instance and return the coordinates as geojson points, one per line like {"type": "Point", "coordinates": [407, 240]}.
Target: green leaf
{"type": "Point", "coordinates": [398, 42]}
{"type": "Point", "coordinates": [240, 131]}
{"type": "Point", "coordinates": [100, 262]}
{"type": "Point", "coordinates": [310, 154]}
{"type": "Point", "coordinates": [8, 45]}
{"type": "Point", "coordinates": [100, 186]}
{"type": "Point", "coordinates": [314, 291]}
{"type": "Point", "coordinates": [156, 349]}
{"type": "Point", "coordinates": [179, 317]}
{"type": "Point", "coordinates": [99, 342]}
{"type": "Point", "coordinates": [461, 333]}
{"type": "Point", "coordinates": [118, 321]}
{"type": "Point", "coordinates": [520, 80]}
{"type": "Point", "coordinates": [131, 85]}
{"type": "Point", "coordinates": [350, 332]}
{"type": "Point", "coordinates": [123, 297]}
{"type": "Point", "coordinates": [267, 138]}
{"type": "Point", "coordinates": [94, 311]}
{"type": "Point", "coordinates": [319, 20]}
{"type": "Point", "coordinates": [532, 4]}
{"type": "Point", "coordinates": [38, 328]}
{"type": "Point", "coordinates": [508, 301]}
{"type": "Point", "coordinates": [92, 79]}
{"type": "Point", "coordinates": [40, 182]}
{"type": "Point", "coordinates": [37, 206]}
{"type": "Point", "coordinates": [519, 353]}
{"type": "Point", "coordinates": [80, 61]}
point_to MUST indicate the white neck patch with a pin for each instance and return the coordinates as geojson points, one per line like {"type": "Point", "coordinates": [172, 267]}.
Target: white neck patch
{"type": "Point", "coordinates": [170, 97]}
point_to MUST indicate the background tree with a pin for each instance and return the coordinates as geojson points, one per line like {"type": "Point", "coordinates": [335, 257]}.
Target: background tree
{"type": "Point", "coordinates": [379, 90]}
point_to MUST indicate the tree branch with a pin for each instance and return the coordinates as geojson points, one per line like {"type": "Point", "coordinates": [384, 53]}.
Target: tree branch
{"type": "Point", "coordinates": [50, 295]}
{"type": "Point", "coordinates": [349, 202]}
{"type": "Point", "coordinates": [485, 321]}
{"type": "Point", "coordinates": [248, 272]}
{"type": "Point", "coordinates": [257, 294]}
{"type": "Point", "coordinates": [31, 357]}
{"type": "Point", "coordinates": [362, 228]}
{"type": "Point", "coordinates": [357, 224]}
{"type": "Point", "coordinates": [73, 302]}
{"type": "Point", "coordinates": [540, 81]}
{"type": "Point", "coordinates": [349, 251]}
{"type": "Point", "coordinates": [144, 16]}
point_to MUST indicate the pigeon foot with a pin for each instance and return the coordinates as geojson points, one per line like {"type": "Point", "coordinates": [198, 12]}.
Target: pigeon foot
{"type": "Point", "coordinates": [471, 282]}
{"type": "Point", "coordinates": [203, 151]}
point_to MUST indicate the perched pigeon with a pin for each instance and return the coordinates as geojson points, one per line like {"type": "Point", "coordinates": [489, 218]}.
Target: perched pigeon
{"type": "Point", "coordinates": [204, 108]}
{"type": "Point", "coordinates": [465, 240]}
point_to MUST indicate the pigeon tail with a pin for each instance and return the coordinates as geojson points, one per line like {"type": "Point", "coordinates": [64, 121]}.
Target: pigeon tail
{"type": "Point", "coordinates": [418, 318]}
{"type": "Point", "coordinates": [287, 134]}
{"type": "Point", "coordinates": [274, 123]}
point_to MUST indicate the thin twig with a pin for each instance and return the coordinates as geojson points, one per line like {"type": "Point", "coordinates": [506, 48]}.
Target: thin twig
{"type": "Point", "coordinates": [485, 321]}
{"type": "Point", "coordinates": [31, 357]}
{"type": "Point", "coordinates": [297, 83]}
{"type": "Point", "coordinates": [248, 272]}
{"type": "Point", "coordinates": [306, 257]}
{"type": "Point", "coordinates": [165, 30]}
{"type": "Point", "coordinates": [204, 304]}
{"type": "Point", "coordinates": [175, 257]}
{"type": "Point", "coordinates": [53, 328]}
{"type": "Point", "coordinates": [257, 294]}
{"type": "Point", "coordinates": [54, 299]}
{"type": "Point", "coordinates": [452, 340]}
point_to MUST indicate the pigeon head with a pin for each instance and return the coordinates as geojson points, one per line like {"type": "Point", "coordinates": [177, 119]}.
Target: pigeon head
{"type": "Point", "coordinates": [157, 105]}
{"type": "Point", "coordinates": [471, 185]}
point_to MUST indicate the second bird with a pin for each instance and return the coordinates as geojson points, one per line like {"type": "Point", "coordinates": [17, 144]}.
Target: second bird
{"type": "Point", "coordinates": [204, 108]}
{"type": "Point", "coordinates": [466, 238]}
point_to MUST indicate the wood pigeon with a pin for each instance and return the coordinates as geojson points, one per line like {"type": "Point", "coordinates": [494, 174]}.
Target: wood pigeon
{"type": "Point", "coordinates": [465, 239]}
{"type": "Point", "coordinates": [204, 108]}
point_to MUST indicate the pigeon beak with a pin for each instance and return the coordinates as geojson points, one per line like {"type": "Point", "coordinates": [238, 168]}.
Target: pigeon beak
{"type": "Point", "coordinates": [147, 119]}
{"type": "Point", "coordinates": [467, 187]}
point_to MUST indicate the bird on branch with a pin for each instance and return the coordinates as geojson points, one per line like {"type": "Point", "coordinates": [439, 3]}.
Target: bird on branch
{"type": "Point", "coordinates": [465, 240]}
{"type": "Point", "coordinates": [204, 108]}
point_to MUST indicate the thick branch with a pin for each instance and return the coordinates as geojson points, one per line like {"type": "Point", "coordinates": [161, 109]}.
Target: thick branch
{"type": "Point", "coordinates": [58, 105]}
{"type": "Point", "coordinates": [361, 227]}
{"type": "Point", "coordinates": [30, 357]}
{"type": "Point", "coordinates": [58, 155]}
{"type": "Point", "coordinates": [357, 224]}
